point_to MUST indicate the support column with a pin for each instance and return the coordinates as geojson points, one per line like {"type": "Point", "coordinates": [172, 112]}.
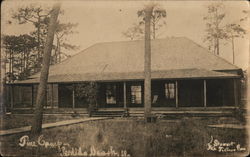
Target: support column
{"type": "Point", "coordinates": [176, 94]}
{"type": "Point", "coordinates": [73, 97]}
{"type": "Point", "coordinates": [52, 95]}
{"type": "Point", "coordinates": [124, 95]}
{"type": "Point", "coordinates": [205, 93]}
{"type": "Point", "coordinates": [235, 93]}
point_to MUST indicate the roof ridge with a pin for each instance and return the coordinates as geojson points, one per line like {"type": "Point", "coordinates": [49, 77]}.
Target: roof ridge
{"type": "Point", "coordinates": [140, 40]}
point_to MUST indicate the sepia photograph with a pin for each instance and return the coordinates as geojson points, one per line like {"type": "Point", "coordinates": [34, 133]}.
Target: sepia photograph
{"type": "Point", "coordinates": [124, 78]}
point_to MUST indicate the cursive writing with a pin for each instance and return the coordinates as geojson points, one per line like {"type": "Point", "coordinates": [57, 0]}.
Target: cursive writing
{"type": "Point", "coordinates": [216, 145]}
{"type": "Point", "coordinates": [25, 141]}
{"type": "Point", "coordinates": [66, 150]}
{"type": "Point", "coordinates": [93, 152]}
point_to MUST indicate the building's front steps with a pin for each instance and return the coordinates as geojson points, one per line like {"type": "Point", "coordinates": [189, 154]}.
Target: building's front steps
{"type": "Point", "coordinates": [119, 113]}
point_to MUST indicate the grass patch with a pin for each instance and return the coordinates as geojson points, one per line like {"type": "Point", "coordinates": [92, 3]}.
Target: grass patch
{"type": "Point", "coordinates": [175, 137]}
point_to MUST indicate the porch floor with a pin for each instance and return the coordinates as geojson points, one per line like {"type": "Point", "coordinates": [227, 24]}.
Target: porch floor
{"type": "Point", "coordinates": [139, 111]}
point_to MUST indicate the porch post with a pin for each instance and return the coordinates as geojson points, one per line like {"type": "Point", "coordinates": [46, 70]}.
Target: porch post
{"type": "Point", "coordinates": [176, 94]}
{"type": "Point", "coordinates": [205, 92]}
{"type": "Point", "coordinates": [73, 97]}
{"type": "Point", "coordinates": [124, 95]}
{"type": "Point", "coordinates": [235, 93]}
{"type": "Point", "coordinates": [52, 95]}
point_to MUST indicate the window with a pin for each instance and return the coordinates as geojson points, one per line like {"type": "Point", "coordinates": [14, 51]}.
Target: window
{"type": "Point", "coordinates": [136, 96]}
{"type": "Point", "coordinates": [111, 94]}
{"type": "Point", "coordinates": [170, 90]}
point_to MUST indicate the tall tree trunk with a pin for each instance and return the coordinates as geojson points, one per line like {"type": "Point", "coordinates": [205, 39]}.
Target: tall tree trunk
{"type": "Point", "coordinates": [39, 44]}
{"type": "Point", "coordinates": [147, 63]}
{"type": "Point", "coordinates": [3, 81]}
{"type": "Point", "coordinates": [27, 61]}
{"type": "Point", "coordinates": [24, 60]}
{"type": "Point", "coordinates": [218, 46]}
{"type": "Point", "coordinates": [153, 28]}
{"type": "Point", "coordinates": [38, 115]}
{"type": "Point", "coordinates": [233, 49]}
{"type": "Point", "coordinates": [5, 66]}
{"type": "Point", "coordinates": [59, 51]}
{"type": "Point", "coordinates": [214, 50]}
{"type": "Point", "coordinates": [22, 63]}
{"type": "Point", "coordinates": [9, 78]}
{"type": "Point", "coordinates": [217, 32]}
{"type": "Point", "coordinates": [12, 69]}
{"type": "Point", "coordinates": [56, 49]}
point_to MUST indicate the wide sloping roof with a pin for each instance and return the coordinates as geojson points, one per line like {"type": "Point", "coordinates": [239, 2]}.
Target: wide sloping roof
{"type": "Point", "coordinates": [116, 58]}
{"type": "Point", "coordinates": [168, 74]}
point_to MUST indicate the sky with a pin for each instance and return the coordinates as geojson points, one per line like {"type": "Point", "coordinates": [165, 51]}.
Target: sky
{"type": "Point", "coordinates": [104, 21]}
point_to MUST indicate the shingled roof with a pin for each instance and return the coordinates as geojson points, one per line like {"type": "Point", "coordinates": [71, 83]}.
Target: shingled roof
{"type": "Point", "coordinates": [168, 74]}
{"type": "Point", "coordinates": [127, 58]}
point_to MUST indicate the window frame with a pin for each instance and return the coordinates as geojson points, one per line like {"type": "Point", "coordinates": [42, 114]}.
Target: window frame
{"type": "Point", "coordinates": [139, 91]}
{"type": "Point", "coordinates": [172, 91]}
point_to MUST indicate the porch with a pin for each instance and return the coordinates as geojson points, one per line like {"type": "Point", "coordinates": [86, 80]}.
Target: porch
{"type": "Point", "coordinates": [182, 96]}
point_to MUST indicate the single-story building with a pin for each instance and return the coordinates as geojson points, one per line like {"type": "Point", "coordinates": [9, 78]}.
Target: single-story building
{"type": "Point", "coordinates": [185, 76]}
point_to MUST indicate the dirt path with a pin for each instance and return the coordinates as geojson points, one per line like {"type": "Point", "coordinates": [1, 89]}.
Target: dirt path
{"type": "Point", "coordinates": [49, 125]}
